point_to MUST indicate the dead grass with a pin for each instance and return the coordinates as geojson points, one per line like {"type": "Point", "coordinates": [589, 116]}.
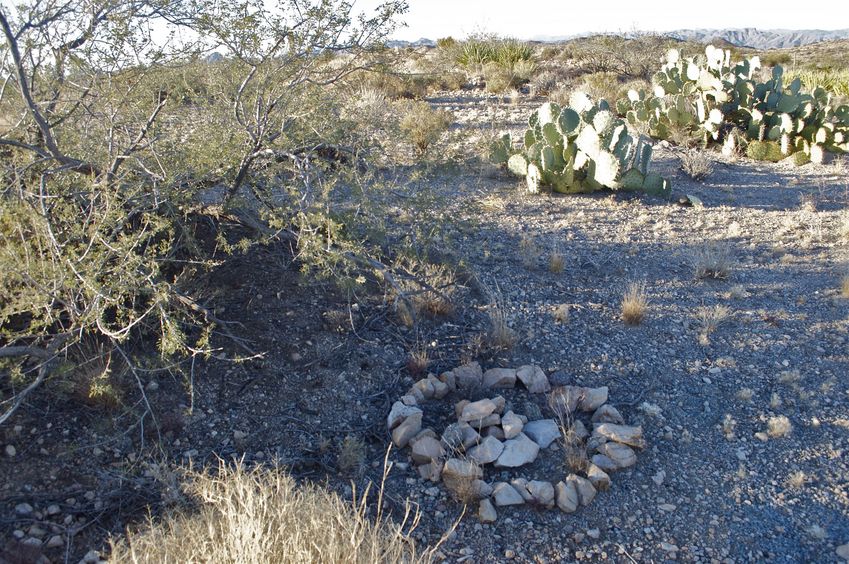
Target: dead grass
{"type": "Point", "coordinates": [779, 426]}
{"type": "Point", "coordinates": [352, 455]}
{"type": "Point", "coordinates": [529, 251]}
{"type": "Point", "coordinates": [844, 287]}
{"type": "Point", "coordinates": [796, 480]}
{"type": "Point", "coordinates": [710, 319]}
{"type": "Point", "coordinates": [258, 515]}
{"type": "Point", "coordinates": [712, 260]}
{"type": "Point", "coordinates": [634, 304]}
{"type": "Point", "coordinates": [500, 336]}
{"type": "Point", "coordinates": [575, 454]}
{"type": "Point", "coordinates": [561, 313]}
{"type": "Point", "coordinates": [696, 164]}
{"type": "Point", "coordinates": [556, 262]}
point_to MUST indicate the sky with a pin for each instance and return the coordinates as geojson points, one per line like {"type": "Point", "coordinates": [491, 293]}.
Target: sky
{"type": "Point", "coordinates": [529, 19]}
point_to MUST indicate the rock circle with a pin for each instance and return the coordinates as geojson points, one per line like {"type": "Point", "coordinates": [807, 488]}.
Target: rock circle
{"type": "Point", "coordinates": [483, 436]}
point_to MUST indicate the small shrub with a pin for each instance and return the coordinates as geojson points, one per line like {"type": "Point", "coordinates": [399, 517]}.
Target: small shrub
{"type": "Point", "coordinates": [352, 455]}
{"type": "Point", "coordinates": [422, 125]}
{"type": "Point", "coordinates": [418, 362]}
{"type": "Point", "coordinates": [556, 262]}
{"type": "Point", "coordinates": [779, 426]}
{"type": "Point", "coordinates": [712, 260]}
{"type": "Point", "coordinates": [500, 336]}
{"type": "Point", "coordinates": [696, 164]}
{"type": "Point", "coordinates": [764, 151]}
{"type": "Point", "coordinates": [709, 320]}
{"type": "Point", "coordinates": [634, 304]}
{"type": "Point", "coordinates": [561, 313]}
{"type": "Point", "coordinates": [602, 86]}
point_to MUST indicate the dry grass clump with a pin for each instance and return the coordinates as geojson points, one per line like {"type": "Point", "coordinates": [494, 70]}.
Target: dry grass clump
{"type": "Point", "coordinates": [796, 480]}
{"type": "Point", "coordinates": [696, 164]}
{"type": "Point", "coordinates": [634, 304]}
{"type": "Point", "coordinates": [561, 313]}
{"type": "Point", "coordinates": [260, 515]}
{"type": "Point", "coordinates": [556, 262]}
{"type": "Point", "coordinates": [352, 455]}
{"type": "Point", "coordinates": [844, 286]}
{"type": "Point", "coordinates": [422, 125]}
{"type": "Point", "coordinates": [574, 450]}
{"type": "Point", "coordinates": [418, 361]}
{"type": "Point", "coordinates": [778, 426]}
{"type": "Point", "coordinates": [500, 336]}
{"type": "Point", "coordinates": [709, 319]}
{"type": "Point", "coordinates": [529, 250]}
{"type": "Point", "coordinates": [713, 260]}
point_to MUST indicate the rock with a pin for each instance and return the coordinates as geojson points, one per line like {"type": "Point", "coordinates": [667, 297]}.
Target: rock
{"type": "Point", "coordinates": [477, 410]}
{"type": "Point", "coordinates": [592, 398]}
{"type": "Point", "coordinates": [454, 435]}
{"type": "Point", "coordinates": [511, 424]}
{"type": "Point", "coordinates": [595, 441]}
{"type": "Point", "coordinates": [534, 379]}
{"type": "Point", "coordinates": [432, 471]}
{"type": "Point", "coordinates": [427, 432]}
{"type": "Point", "coordinates": [579, 430]}
{"type": "Point", "coordinates": [55, 541]}
{"type": "Point", "coordinates": [482, 488]}
{"type": "Point", "coordinates": [594, 533]}
{"type": "Point", "coordinates": [608, 414]}
{"type": "Point", "coordinates": [241, 435]}
{"type": "Point", "coordinates": [425, 386]}
{"type": "Point", "coordinates": [604, 463]}
{"type": "Point", "coordinates": [586, 490]}
{"type": "Point", "coordinates": [23, 509]}
{"type": "Point", "coordinates": [487, 451]}
{"type": "Point", "coordinates": [426, 450]}
{"type": "Point", "coordinates": [620, 454]}
{"type": "Point", "coordinates": [517, 452]}
{"type": "Point", "coordinates": [496, 432]}
{"type": "Point", "coordinates": [11, 450]}
{"type": "Point", "coordinates": [486, 512]}
{"type": "Point", "coordinates": [449, 380]}
{"type": "Point", "coordinates": [499, 402]}
{"type": "Point", "coordinates": [566, 497]}
{"type": "Point", "coordinates": [36, 531]}
{"type": "Point", "coordinates": [53, 509]}
{"type": "Point", "coordinates": [521, 486]}
{"type": "Point", "coordinates": [505, 494]}
{"type": "Point", "coordinates": [458, 407]}
{"type": "Point", "coordinates": [843, 551]}
{"type": "Point", "coordinates": [32, 541]}
{"type": "Point", "coordinates": [543, 431]}
{"type": "Point", "coordinates": [598, 477]}
{"type": "Point", "coordinates": [499, 378]}
{"type": "Point", "coordinates": [440, 389]}
{"type": "Point", "coordinates": [410, 427]}
{"type": "Point", "coordinates": [564, 399]}
{"type": "Point", "coordinates": [415, 393]}
{"type": "Point", "coordinates": [468, 376]}
{"type": "Point", "coordinates": [542, 492]}
{"type": "Point", "coordinates": [625, 434]}
{"type": "Point", "coordinates": [659, 478]}
{"type": "Point", "coordinates": [488, 421]}
{"type": "Point", "coordinates": [459, 475]}
{"type": "Point", "coordinates": [398, 413]}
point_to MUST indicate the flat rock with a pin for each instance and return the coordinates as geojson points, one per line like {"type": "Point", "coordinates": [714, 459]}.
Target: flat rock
{"type": "Point", "coordinates": [593, 398]}
{"type": "Point", "coordinates": [408, 429]}
{"type": "Point", "coordinates": [511, 424]}
{"type": "Point", "coordinates": [543, 431]}
{"type": "Point", "coordinates": [477, 410]}
{"type": "Point", "coordinates": [599, 478]}
{"type": "Point", "coordinates": [486, 512]}
{"type": "Point", "coordinates": [517, 452]}
{"type": "Point", "coordinates": [468, 376]}
{"type": "Point", "coordinates": [521, 486]}
{"type": "Point", "coordinates": [425, 386]}
{"type": "Point", "coordinates": [426, 450]}
{"type": "Point", "coordinates": [534, 379]}
{"type": "Point", "coordinates": [585, 488]}
{"type": "Point", "coordinates": [608, 414]}
{"type": "Point", "coordinates": [487, 451]}
{"type": "Point", "coordinates": [488, 421]}
{"type": "Point", "coordinates": [542, 492]}
{"type": "Point", "coordinates": [459, 475]}
{"type": "Point", "coordinates": [625, 434]}
{"type": "Point", "coordinates": [399, 412]}
{"type": "Point", "coordinates": [505, 494]}
{"type": "Point", "coordinates": [604, 463]}
{"type": "Point", "coordinates": [432, 471]}
{"type": "Point", "coordinates": [566, 497]}
{"type": "Point", "coordinates": [499, 378]}
{"type": "Point", "coordinates": [621, 455]}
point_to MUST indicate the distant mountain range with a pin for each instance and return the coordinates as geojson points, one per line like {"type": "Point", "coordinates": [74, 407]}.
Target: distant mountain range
{"type": "Point", "coordinates": [744, 37]}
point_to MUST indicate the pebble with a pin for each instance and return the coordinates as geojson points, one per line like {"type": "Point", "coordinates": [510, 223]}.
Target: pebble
{"type": "Point", "coordinates": [11, 450]}
{"type": "Point", "coordinates": [23, 509]}
{"type": "Point", "coordinates": [594, 534]}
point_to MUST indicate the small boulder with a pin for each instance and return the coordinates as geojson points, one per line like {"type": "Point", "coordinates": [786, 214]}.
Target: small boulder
{"type": "Point", "coordinates": [486, 511]}
{"type": "Point", "coordinates": [542, 492]}
{"type": "Point", "coordinates": [534, 379]}
{"type": "Point", "coordinates": [543, 431]}
{"type": "Point", "coordinates": [598, 477]}
{"type": "Point", "coordinates": [487, 451]}
{"type": "Point", "coordinates": [499, 402]}
{"type": "Point", "coordinates": [458, 407]}
{"type": "Point", "coordinates": [604, 463]}
{"type": "Point", "coordinates": [440, 388]}
{"type": "Point", "coordinates": [499, 378]}
{"type": "Point", "coordinates": [517, 452]}
{"type": "Point", "coordinates": [608, 414]}
{"type": "Point", "coordinates": [409, 400]}
{"type": "Point", "coordinates": [621, 455]}
{"type": "Point", "coordinates": [505, 494]}
{"type": "Point", "coordinates": [625, 434]}
{"type": "Point", "coordinates": [564, 399]}
{"type": "Point", "coordinates": [410, 427]}
{"type": "Point", "coordinates": [460, 472]}
{"type": "Point", "coordinates": [496, 432]}
{"type": "Point", "coordinates": [399, 412]}
{"type": "Point", "coordinates": [425, 386]}
{"type": "Point", "coordinates": [432, 471]}
{"type": "Point", "coordinates": [427, 450]}
{"type": "Point", "coordinates": [521, 486]}
{"type": "Point", "coordinates": [585, 488]}
{"type": "Point", "coordinates": [566, 497]}
{"type": "Point", "coordinates": [477, 410]}
{"type": "Point", "coordinates": [511, 424]}
{"type": "Point", "coordinates": [593, 398]}
{"type": "Point", "coordinates": [449, 380]}
{"type": "Point", "coordinates": [579, 430]}
{"type": "Point", "coordinates": [468, 376]}
{"type": "Point", "coordinates": [488, 421]}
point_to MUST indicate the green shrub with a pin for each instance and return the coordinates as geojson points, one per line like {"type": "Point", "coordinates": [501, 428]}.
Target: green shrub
{"type": "Point", "coordinates": [422, 125]}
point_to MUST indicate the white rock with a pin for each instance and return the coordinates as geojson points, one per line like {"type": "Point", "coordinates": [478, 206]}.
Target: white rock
{"type": "Point", "coordinates": [477, 410]}
{"type": "Point", "coordinates": [517, 452]}
{"type": "Point", "coordinates": [487, 452]}
{"type": "Point", "coordinates": [499, 378]}
{"type": "Point", "coordinates": [843, 551]}
{"type": "Point", "coordinates": [534, 379]}
{"type": "Point", "coordinates": [608, 414]}
{"type": "Point", "coordinates": [11, 450]}
{"type": "Point", "coordinates": [23, 509]}
{"type": "Point", "coordinates": [623, 456]}
{"type": "Point", "coordinates": [659, 478]}
{"type": "Point", "coordinates": [543, 431]}
{"type": "Point", "coordinates": [408, 429]}
{"type": "Point", "coordinates": [505, 494]}
{"type": "Point", "coordinates": [593, 398]}
{"type": "Point", "coordinates": [398, 413]}
{"type": "Point", "coordinates": [542, 492]}
{"type": "Point", "coordinates": [625, 434]}
{"type": "Point", "coordinates": [486, 512]}
{"type": "Point", "coordinates": [566, 497]}
{"type": "Point", "coordinates": [599, 478]}
{"type": "Point", "coordinates": [426, 450]}
{"type": "Point", "coordinates": [585, 488]}
{"type": "Point", "coordinates": [511, 424]}
{"type": "Point", "coordinates": [91, 557]}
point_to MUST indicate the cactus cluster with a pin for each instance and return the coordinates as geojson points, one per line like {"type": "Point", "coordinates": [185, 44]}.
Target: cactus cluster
{"type": "Point", "coordinates": [584, 147]}
{"type": "Point", "coordinates": [710, 95]}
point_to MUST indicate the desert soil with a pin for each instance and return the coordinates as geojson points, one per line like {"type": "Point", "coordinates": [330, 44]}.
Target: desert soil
{"type": "Point", "coordinates": [706, 489]}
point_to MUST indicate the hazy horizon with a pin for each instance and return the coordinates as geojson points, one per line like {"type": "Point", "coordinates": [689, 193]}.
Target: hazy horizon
{"type": "Point", "coordinates": [433, 19]}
